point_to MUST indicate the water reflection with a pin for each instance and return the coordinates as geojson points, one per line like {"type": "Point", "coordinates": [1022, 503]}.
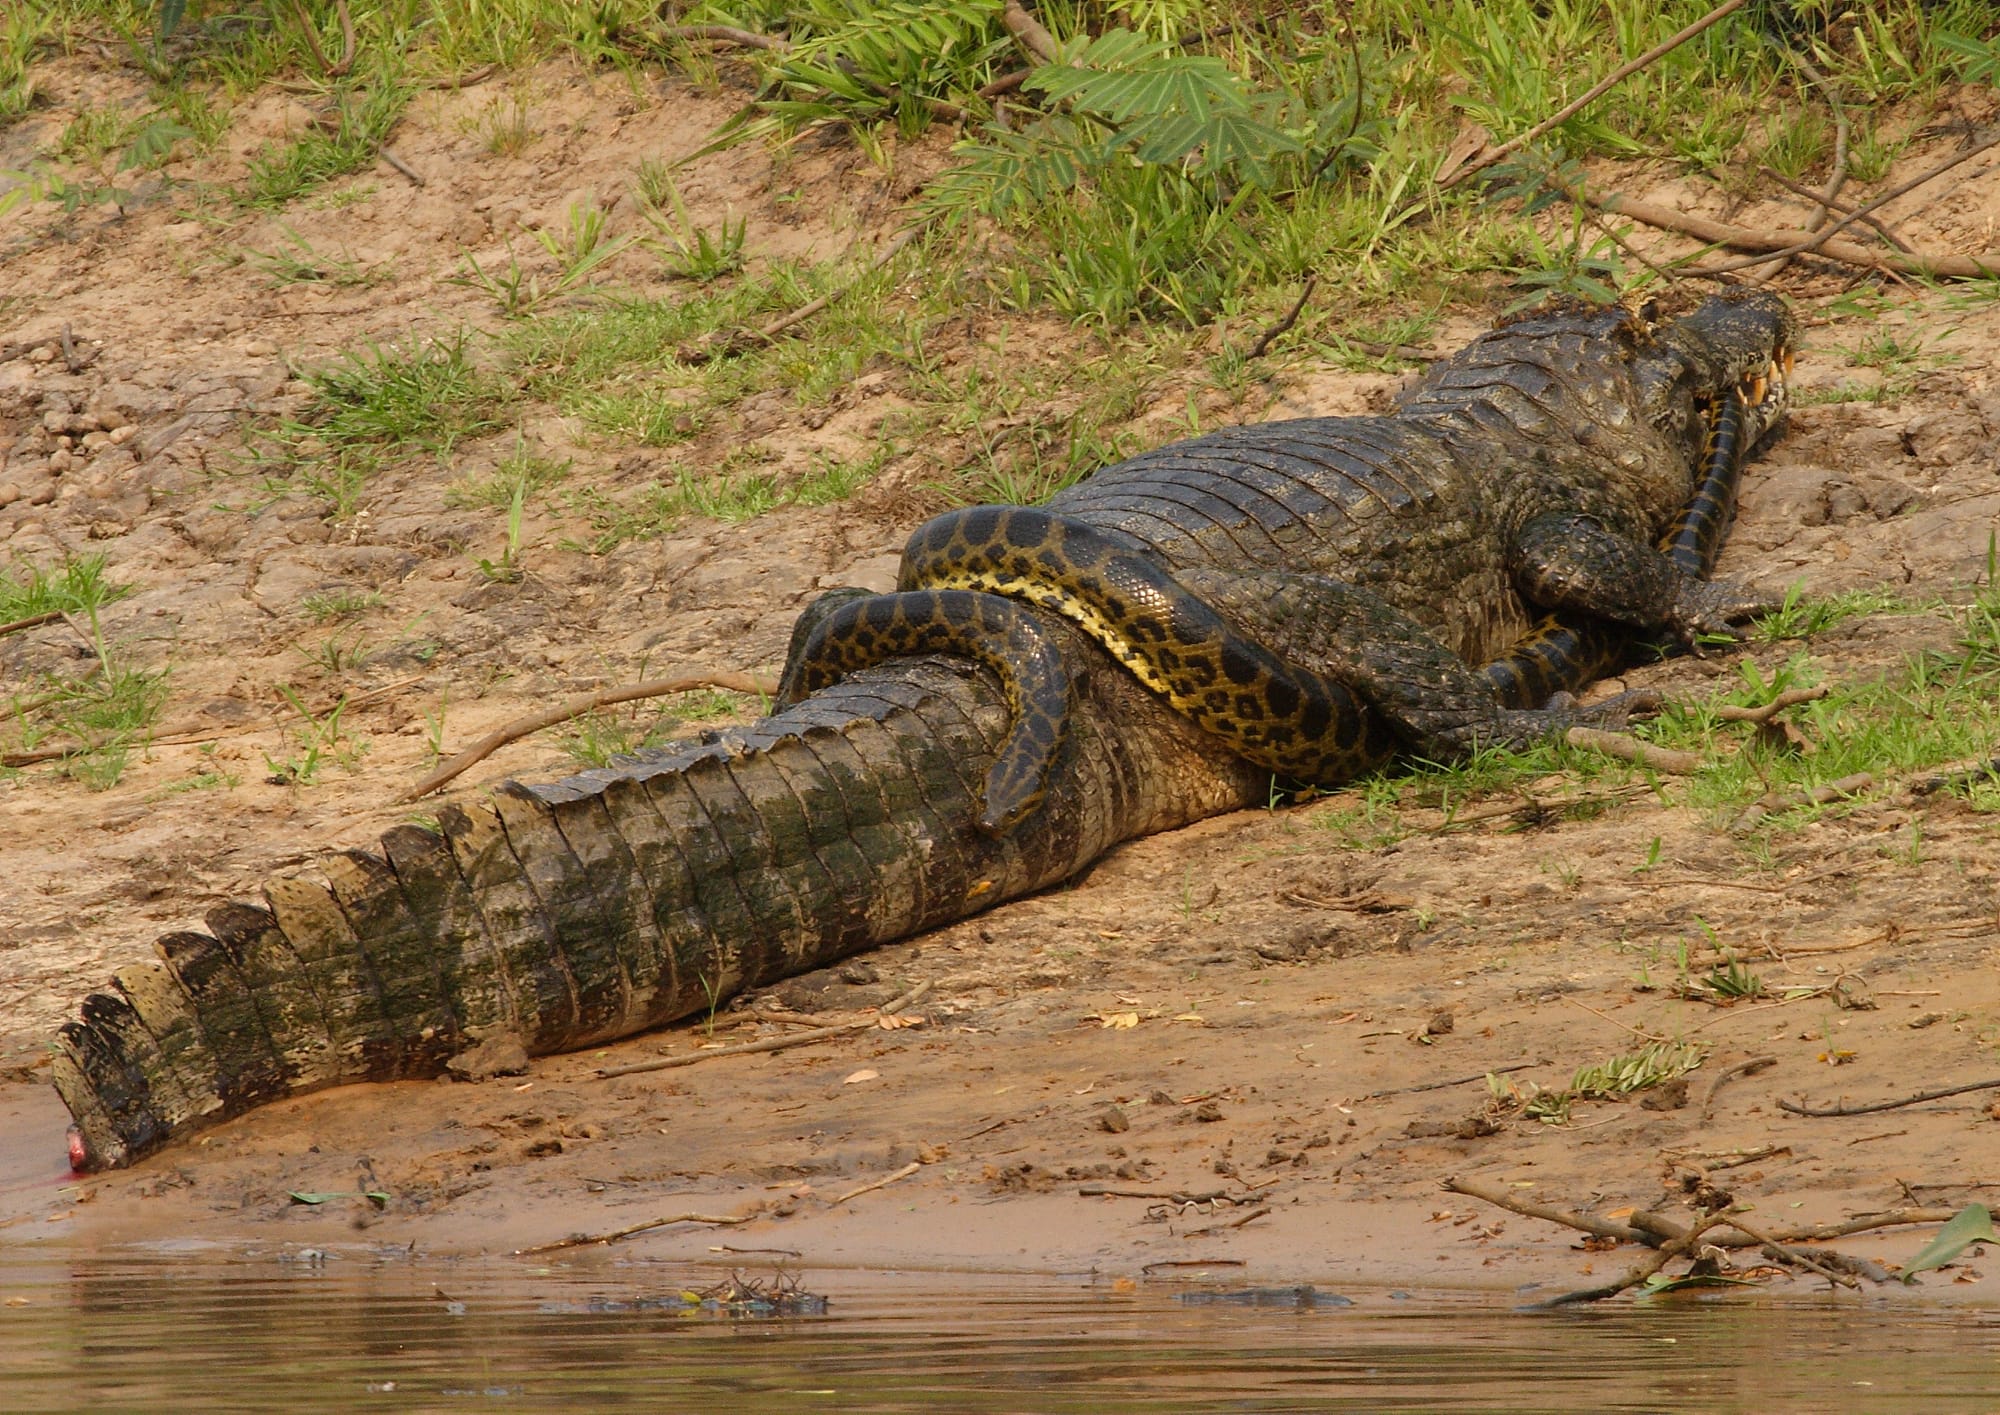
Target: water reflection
{"type": "Point", "coordinates": [385, 1331]}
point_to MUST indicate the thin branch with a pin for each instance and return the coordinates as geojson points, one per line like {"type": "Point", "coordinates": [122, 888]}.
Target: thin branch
{"type": "Point", "coordinates": [389, 156]}
{"type": "Point", "coordinates": [1597, 91]}
{"type": "Point", "coordinates": [33, 621]}
{"type": "Point", "coordinates": [1667, 1253]}
{"type": "Point", "coordinates": [1792, 1257]}
{"type": "Point", "coordinates": [1823, 199]}
{"type": "Point", "coordinates": [1919, 1098]}
{"type": "Point", "coordinates": [1354, 119]}
{"type": "Point", "coordinates": [726, 34]}
{"type": "Point", "coordinates": [1454, 1081]}
{"type": "Point", "coordinates": [1291, 318]}
{"type": "Point", "coordinates": [1763, 713]}
{"type": "Point", "coordinates": [797, 1039]}
{"type": "Point", "coordinates": [1528, 1208]}
{"type": "Point", "coordinates": [310, 28]}
{"type": "Point", "coordinates": [904, 1173]}
{"type": "Point", "coordinates": [576, 707]}
{"type": "Point", "coordinates": [1720, 233]}
{"type": "Point", "coordinates": [1031, 33]}
{"type": "Point", "coordinates": [740, 340]}
{"type": "Point", "coordinates": [1842, 208]}
{"type": "Point", "coordinates": [580, 1240]}
{"type": "Point", "coordinates": [1747, 1067]}
{"type": "Point", "coordinates": [1631, 749]}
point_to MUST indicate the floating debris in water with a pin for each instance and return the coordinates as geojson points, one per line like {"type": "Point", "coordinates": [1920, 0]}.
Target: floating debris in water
{"type": "Point", "coordinates": [1307, 1296]}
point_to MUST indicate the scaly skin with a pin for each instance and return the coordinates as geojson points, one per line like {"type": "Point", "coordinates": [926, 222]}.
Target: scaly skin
{"type": "Point", "coordinates": [1314, 592]}
{"type": "Point", "coordinates": [569, 914]}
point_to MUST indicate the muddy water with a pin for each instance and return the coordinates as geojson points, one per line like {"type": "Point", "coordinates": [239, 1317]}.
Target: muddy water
{"type": "Point", "coordinates": [354, 1330]}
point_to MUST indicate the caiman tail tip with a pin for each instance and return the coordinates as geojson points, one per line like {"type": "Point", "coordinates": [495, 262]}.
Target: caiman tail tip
{"type": "Point", "coordinates": [81, 1161]}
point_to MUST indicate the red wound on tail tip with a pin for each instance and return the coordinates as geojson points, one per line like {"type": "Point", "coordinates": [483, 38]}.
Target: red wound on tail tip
{"type": "Point", "coordinates": [80, 1159]}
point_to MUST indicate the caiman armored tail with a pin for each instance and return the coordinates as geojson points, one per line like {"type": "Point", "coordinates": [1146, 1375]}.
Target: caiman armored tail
{"type": "Point", "coordinates": [591, 908]}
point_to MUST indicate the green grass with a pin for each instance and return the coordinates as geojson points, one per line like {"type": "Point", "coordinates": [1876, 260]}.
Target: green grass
{"type": "Point", "coordinates": [593, 740]}
{"type": "Point", "coordinates": [100, 717]}
{"type": "Point", "coordinates": [361, 124]}
{"type": "Point", "coordinates": [378, 405]}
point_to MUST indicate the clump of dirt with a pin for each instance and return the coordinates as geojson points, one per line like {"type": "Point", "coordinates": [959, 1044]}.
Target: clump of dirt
{"type": "Point", "coordinates": [1302, 1019]}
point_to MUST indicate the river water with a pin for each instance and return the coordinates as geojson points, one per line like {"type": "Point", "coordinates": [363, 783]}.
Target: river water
{"type": "Point", "coordinates": [359, 1329]}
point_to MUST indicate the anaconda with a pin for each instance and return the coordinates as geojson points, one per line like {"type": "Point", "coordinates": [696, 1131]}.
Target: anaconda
{"type": "Point", "coordinates": [570, 913]}
{"type": "Point", "coordinates": [1223, 571]}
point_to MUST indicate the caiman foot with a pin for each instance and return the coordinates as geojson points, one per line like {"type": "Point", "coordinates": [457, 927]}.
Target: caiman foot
{"type": "Point", "coordinates": [1519, 729]}
{"type": "Point", "coordinates": [1715, 607]}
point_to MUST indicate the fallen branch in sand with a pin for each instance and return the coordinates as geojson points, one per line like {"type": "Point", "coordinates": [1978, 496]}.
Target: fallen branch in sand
{"type": "Point", "coordinates": [1786, 800]}
{"type": "Point", "coordinates": [1748, 1067]}
{"type": "Point", "coordinates": [797, 1039]}
{"type": "Point", "coordinates": [1528, 1208]}
{"type": "Point", "coordinates": [1672, 1238]}
{"type": "Point", "coordinates": [1986, 769]}
{"type": "Point", "coordinates": [1763, 713]}
{"type": "Point", "coordinates": [1454, 1081]}
{"type": "Point", "coordinates": [1636, 1276]}
{"type": "Point", "coordinates": [581, 1240]}
{"type": "Point", "coordinates": [904, 1173]}
{"type": "Point", "coordinates": [1631, 749]}
{"type": "Point", "coordinates": [31, 622]}
{"type": "Point", "coordinates": [1290, 318]}
{"type": "Point", "coordinates": [1918, 1099]}
{"type": "Point", "coordinates": [576, 707]}
{"type": "Point", "coordinates": [1820, 242]}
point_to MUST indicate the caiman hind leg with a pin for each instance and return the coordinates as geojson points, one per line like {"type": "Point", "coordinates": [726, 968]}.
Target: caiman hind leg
{"type": "Point", "coordinates": [849, 630]}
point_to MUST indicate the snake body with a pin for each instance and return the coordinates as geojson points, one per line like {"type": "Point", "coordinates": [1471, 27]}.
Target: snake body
{"type": "Point", "coordinates": [1227, 573]}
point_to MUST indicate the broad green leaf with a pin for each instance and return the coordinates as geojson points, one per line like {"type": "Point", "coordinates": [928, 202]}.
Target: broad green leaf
{"type": "Point", "coordinates": [1973, 1224]}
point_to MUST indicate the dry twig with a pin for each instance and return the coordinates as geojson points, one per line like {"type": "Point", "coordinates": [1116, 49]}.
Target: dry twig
{"type": "Point", "coordinates": [1528, 1208]}
{"type": "Point", "coordinates": [581, 1240]}
{"type": "Point", "coordinates": [33, 621]}
{"type": "Point", "coordinates": [904, 1173]}
{"type": "Point", "coordinates": [1631, 749]}
{"type": "Point", "coordinates": [1873, 1107]}
{"type": "Point", "coordinates": [1031, 33]}
{"type": "Point", "coordinates": [1597, 91]}
{"type": "Point", "coordinates": [576, 707]}
{"type": "Point", "coordinates": [737, 341]}
{"type": "Point", "coordinates": [797, 1039]}
{"type": "Point", "coordinates": [1747, 1067]}
{"type": "Point", "coordinates": [1763, 713]}
{"type": "Point", "coordinates": [1291, 317]}
{"type": "Point", "coordinates": [1821, 242]}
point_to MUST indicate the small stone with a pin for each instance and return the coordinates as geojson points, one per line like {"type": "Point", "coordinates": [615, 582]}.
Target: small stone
{"type": "Point", "coordinates": [10, 492]}
{"type": "Point", "coordinates": [260, 348]}
{"type": "Point", "coordinates": [1928, 1019]}
{"type": "Point", "coordinates": [1112, 1118]}
{"type": "Point", "coordinates": [1208, 1111]}
{"type": "Point", "coordinates": [42, 354]}
{"type": "Point", "coordinates": [60, 461]}
{"type": "Point", "coordinates": [95, 441]}
{"type": "Point", "coordinates": [39, 496]}
{"type": "Point", "coordinates": [122, 435]}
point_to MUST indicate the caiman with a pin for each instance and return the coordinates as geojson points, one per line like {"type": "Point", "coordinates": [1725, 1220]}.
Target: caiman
{"type": "Point", "coordinates": [1298, 597]}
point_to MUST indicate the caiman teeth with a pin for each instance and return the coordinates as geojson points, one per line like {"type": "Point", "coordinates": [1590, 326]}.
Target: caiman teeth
{"type": "Point", "coordinates": [1754, 396]}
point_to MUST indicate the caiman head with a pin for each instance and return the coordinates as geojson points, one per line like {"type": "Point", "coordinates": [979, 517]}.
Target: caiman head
{"type": "Point", "coordinates": [1737, 342]}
